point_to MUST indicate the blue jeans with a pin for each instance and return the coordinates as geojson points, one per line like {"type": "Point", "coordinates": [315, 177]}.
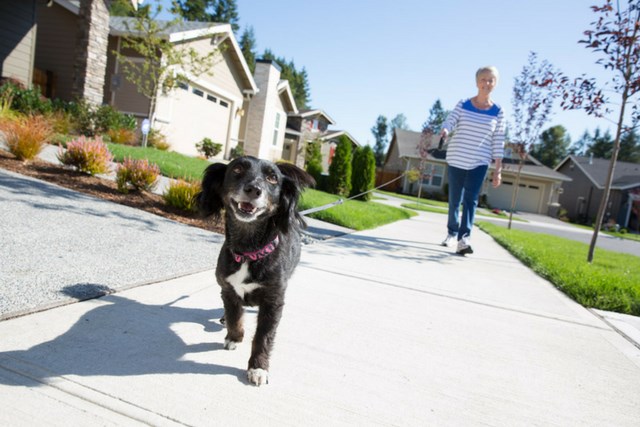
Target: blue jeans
{"type": "Point", "coordinates": [464, 186]}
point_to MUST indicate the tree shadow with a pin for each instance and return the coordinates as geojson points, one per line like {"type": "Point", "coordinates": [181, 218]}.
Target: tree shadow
{"type": "Point", "coordinates": [122, 338]}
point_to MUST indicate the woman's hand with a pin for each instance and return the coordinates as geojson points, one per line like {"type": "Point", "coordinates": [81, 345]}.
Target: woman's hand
{"type": "Point", "coordinates": [497, 178]}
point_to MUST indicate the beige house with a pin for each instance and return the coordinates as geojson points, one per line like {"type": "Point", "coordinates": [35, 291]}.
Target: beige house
{"type": "Point", "coordinates": [539, 186]}
{"type": "Point", "coordinates": [208, 106]}
{"type": "Point", "coordinates": [263, 135]}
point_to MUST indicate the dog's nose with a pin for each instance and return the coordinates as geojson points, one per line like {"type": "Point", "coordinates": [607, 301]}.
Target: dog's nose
{"type": "Point", "coordinates": [252, 190]}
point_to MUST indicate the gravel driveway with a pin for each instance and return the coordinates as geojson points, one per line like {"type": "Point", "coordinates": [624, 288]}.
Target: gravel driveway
{"type": "Point", "coordinates": [58, 246]}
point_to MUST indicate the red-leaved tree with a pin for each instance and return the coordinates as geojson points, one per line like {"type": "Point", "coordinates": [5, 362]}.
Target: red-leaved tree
{"type": "Point", "coordinates": [614, 37]}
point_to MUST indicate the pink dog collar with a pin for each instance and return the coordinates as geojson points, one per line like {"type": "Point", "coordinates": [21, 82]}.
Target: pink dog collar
{"type": "Point", "coordinates": [259, 254]}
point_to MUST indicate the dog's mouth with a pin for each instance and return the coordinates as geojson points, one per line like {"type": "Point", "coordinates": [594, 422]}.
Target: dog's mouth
{"type": "Point", "coordinates": [246, 211]}
{"type": "Point", "coordinates": [247, 208]}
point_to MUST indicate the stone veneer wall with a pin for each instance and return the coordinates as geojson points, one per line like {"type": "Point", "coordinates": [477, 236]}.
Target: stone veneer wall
{"type": "Point", "coordinates": [91, 51]}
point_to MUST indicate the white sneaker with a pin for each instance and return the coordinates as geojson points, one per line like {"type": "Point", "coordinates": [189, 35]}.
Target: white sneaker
{"type": "Point", "coordinates": [449, 240]}
{"type": "Point", "coordinates": [464, 247]}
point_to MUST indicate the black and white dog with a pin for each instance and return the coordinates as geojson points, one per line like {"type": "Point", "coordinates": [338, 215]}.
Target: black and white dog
{"type": "Point", "coordinates": [261, 247]}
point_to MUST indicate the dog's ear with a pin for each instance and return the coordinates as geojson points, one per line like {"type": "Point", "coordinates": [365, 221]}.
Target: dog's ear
{"type": "Point", "coordinates": [295, 181]}
{"type": "Point", "coordinates": [209, 199]}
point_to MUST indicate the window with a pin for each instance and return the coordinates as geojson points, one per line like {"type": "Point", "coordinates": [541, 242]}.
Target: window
{"type": "Point", "coordinates": [277, 120]}
{"type": "Point", "coordinates": [433, 175]}
{"type": "Point", "coordinates": [224, 103]}
{"type": "Point", "coordinates": [211, 98]}
{"type": "Point", "coordinates": [183, 86]}
{"type": "Point", "coordinates": [275, 137]}
{"type": "Point", "coordinates": [197, 92]}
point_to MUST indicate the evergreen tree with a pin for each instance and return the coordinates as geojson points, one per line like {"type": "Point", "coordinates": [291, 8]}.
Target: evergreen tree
{"type": "Point", "coordinates": [579, 147]}
{"type": "Point", "coordinates": [553, 146]}
{"type": "Point", "coordinates": [398, 122]}
{"type": "Point", "coordinates": [314, 160]}
{"type": "Point", "coordinates": [222, 11]}
{"type": "Point", "coordinates": [379, 131]}
{"type": "Point", "coordinates": [363, 176]}
{"type": "Point", "coordinates": [437, 116]}
{"type": "Point", "coordinates": [298, 80]}
{"type": "Point", "coordinates": [248, 46]}
{"type": "Point", "coordinates": [630, 147]}
{"type": "Point", "coordinates": [601, 146]}
{"type": "Point", "coordinates": [340, 169]}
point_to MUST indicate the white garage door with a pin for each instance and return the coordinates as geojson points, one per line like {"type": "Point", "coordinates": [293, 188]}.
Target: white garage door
{"type": "Point", "coordinates": [198, 114]}
{"type": "Point", "coordinates": [528, 196]}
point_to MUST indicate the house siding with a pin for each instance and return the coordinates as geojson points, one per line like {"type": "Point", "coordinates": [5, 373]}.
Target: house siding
{"type": "Point", "coordinates": [55, 49]}
{"type": "Point", "coordinates": [580, 198]}
{"type": "Point", "coordinates": [17, 39]}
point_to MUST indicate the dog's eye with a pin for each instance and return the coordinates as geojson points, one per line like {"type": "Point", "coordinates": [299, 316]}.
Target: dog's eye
{"type": "Point", "coordinates": [272, 178]}
{"type": "Point", "coordinates": [237, 170]}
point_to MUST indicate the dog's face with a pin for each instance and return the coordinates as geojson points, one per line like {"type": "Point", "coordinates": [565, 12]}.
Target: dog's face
{"type": "Point", "coordinates": [251, 189]}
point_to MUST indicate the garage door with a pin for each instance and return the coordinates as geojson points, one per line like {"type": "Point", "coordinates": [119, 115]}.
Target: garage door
{"type": "Point", "coordinates": [528, 196]}
{"type": "Point", "coordinates": [198, 114]}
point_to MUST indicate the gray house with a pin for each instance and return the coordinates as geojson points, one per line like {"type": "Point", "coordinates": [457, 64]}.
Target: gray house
{"type": "Point", "coordinates": [581, 197]}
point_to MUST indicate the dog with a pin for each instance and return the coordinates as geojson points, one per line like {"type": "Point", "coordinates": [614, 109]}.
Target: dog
{"type": "Point", "coordinates": [261, 248]}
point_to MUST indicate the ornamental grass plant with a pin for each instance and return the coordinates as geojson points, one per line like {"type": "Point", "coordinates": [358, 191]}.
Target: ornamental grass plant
{"type": "Point", "coordinates": [26, 135]}
{"type": "Point", "coordinates": [181, 194]}
{"type": "Point", "coordinates": [88, 155]}
{"type": "Point", "coordinates": [137, 174]}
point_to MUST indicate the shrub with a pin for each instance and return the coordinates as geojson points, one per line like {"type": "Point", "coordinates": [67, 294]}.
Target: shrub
{"type": "Point", "coordinates": [83, 117]}
{"type": "Point", "coordinates": [236, 152]}
{"type": "Point", "coordinates": [340, 169]}
{"type": "Point", "coordinates": [158, 140]}
{"type": "Point", "coordinates": [26, 136]}
{"type": "Point", "coordinates": [363, 177]}
{"type": "Point", "coordinates": [314, 160]}
{"type": "Point", "coordinates": [87, 155]}
{"type": "Point", "coordinates": [138, 174]}
{"type": "Point", "coordinates": [23, 100]}
{"type": "Point", "coordinates": [182, 195]}
{"type": "Point", "coordinates": [108, 118]}
{"type": "Point", "coordinates": [208, 148]}
{"type": "Point", "coordinates": [122, 136]}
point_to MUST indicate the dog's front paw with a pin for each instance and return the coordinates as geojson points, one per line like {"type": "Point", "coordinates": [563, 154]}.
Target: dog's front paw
{"type": "Point", "coordinates": [258, 376]}
{"type": "Point", "coordinates": [230, 345]}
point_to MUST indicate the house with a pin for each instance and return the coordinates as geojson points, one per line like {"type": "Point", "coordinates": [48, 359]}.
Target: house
{"type": "Point", "coordinates": [581, 197]}
{"type": "Point", "coordinates": [263, 134]}
{"type": "Point", "coordinates": [539, 185]}
{"type": "Point", "coordinates": [17, 39]}
{"type": "Point", "coordinates": [312, 126]}
{"type": "Point", "coordinates": [209, 106]}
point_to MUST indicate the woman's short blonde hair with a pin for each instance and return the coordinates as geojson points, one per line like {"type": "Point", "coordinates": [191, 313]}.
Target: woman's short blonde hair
{"type": "Point", "coordinates": [488, 69]}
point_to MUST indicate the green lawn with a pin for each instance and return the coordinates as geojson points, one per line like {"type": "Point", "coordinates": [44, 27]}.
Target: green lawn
{"type": "Point", "coordinates": [352, 214]}
{"type": "Point", "coordinates": [611, 282]}
{"type": "Point", "coordinates": [172, 164]}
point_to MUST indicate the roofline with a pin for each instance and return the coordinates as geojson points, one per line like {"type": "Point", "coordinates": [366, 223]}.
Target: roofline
{"type": "Point", "coordinates": [284, 86]}
{"type": "Point", "coordinates": [334, 133]}
{"type": "Point", "coordinates": [312, 112]}
{"type": "Point", "coordinates": [69, 6]}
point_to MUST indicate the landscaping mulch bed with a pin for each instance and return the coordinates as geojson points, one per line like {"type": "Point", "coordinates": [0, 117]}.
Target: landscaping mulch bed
{"type": "Point", "coordinates": [104, 189]}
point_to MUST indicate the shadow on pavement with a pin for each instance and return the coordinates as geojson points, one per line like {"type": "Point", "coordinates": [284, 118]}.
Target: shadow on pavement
{"type": "Point", "coordinates": [122, 338]}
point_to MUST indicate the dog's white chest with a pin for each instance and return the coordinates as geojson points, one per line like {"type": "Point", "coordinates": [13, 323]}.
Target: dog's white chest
{"type": "Point", "coordinates": [236, 280]}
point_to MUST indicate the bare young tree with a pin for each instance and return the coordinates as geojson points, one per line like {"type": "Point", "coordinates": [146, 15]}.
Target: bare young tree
{"type": "Point", "coordinates": [614, 37]}
{"type": "Point", "coordinates": [532, 102]}
{"type": "Point", "coordinates": [162, 64]}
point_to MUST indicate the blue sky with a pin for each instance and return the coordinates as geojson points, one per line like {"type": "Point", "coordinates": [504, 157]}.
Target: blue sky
{"type": "Point", "coordinates": [369, 57]}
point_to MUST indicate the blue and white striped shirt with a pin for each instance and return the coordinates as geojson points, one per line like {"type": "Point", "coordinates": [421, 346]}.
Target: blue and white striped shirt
{"type": "Point", "coordinates": [478, 137]}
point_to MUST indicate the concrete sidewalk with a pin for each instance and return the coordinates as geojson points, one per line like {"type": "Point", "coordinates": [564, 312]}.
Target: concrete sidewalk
{"type": "Point", "coordinates": [383, 327]}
